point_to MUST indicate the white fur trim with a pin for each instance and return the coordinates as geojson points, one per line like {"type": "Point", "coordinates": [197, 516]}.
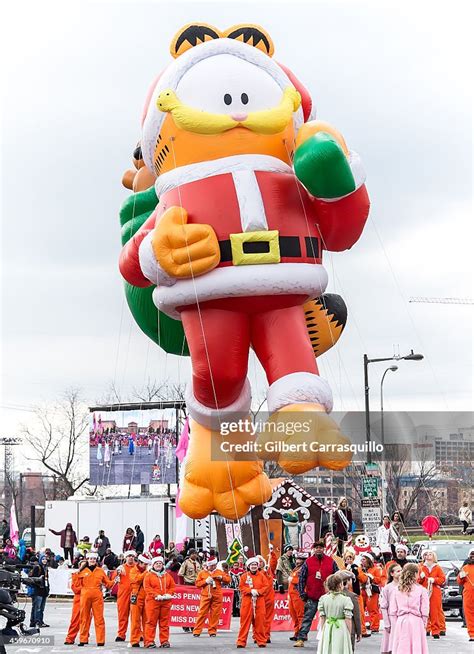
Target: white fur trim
{"type": "Point", "coordinates": [309, 279]}
{"type": "Point", "coordinates": [358, 172]}
{"type": "Point", "coordinates": [210, 417]}
{"type": "Point", "coordinates": [175, 71]}
{"type": "Point", "coordinates": [253, 559]}
{"type": "Point", "coordinates": [234, 164]}
{"type": "Point", "coordinates": [299, 387]}
{"type": "Point", "coordinates": [251, 209]}
{"type": "Point", "coordinates": [150, 266]}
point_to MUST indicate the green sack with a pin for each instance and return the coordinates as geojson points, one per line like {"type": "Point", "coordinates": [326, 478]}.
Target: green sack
{"type": "Point", "coordinates": [163, 330]}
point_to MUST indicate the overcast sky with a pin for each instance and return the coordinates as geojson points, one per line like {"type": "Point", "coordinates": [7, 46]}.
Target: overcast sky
{"type": "Point", "coordinates": [393, 77]}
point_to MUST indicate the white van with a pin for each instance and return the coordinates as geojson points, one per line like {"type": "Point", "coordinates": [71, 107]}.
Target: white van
{"type": "Point", "coordinates": [40, 534]}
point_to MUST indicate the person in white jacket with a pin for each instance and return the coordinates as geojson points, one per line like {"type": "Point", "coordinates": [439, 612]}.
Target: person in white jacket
{"type": "Point", "coordinates": [384, 538]}
{"type": "Point", "coordinates": [465, 516]}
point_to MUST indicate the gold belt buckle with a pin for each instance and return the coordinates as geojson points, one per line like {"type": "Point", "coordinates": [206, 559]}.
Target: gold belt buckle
{"type": "Point", "coordinates": [266, 250]}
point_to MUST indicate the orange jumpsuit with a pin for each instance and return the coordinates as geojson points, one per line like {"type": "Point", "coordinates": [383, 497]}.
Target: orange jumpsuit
{"type": "Point", "coordinates": [435, 619]}
{"type": "Point", "coordinates": [92, 602]}
{"type": "Point", "coordinates": [137, 610]}
{"type": "Point", "coordinates": [270, 597]}
{"type": "Point", "coordinates": [75, 623]}
{"type": "Point", "coordinates": [123, 600]}
{"type": "Point", "coordinates": [211, 600]}
{"type": "Point", "coordinates": [371, 604]}
{"type": "Point", "coordinates": [157, 611]}
{"type": "Point", "coordinates": [295, 603]}
{"type": "Point", "coordinates": [467, 584]}
{"type": "Point", "coordinates": [252, 611]}
{"type": "Point", "coordinates": [269, 604]}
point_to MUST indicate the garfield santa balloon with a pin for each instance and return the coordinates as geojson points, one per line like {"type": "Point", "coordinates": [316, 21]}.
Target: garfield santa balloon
{"type": "Point", "coordinates": [237, 193]}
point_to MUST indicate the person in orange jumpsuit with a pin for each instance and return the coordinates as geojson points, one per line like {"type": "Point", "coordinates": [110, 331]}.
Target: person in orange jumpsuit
{"type": "Point", "coordinates": [159, 589]}
{"type": "Point", "coordinates": [349, 557]}
{"type": "Point", "coordinates": [432, 577]}
{"type": "Point", "coordinates": [137, 599]}
{"type": "Point", "coordinates": [124, 592]}
{"type": "Point", "coordinates": [75, 622]}
{"type": "Point", "coordinates": [269, 571]}
{"type": "Point", "coordinates": [295, 603]}
{"type": "Point", "coordinates": [210, 582]}
{"type": "Point", "coordinates": [466, 582]}
{"type": "Point", "coordinates": [92, 578]}
{"type": "Point", "coordinates": [253, 588]}
{"type": "Point", "coordinates": [371, 579]}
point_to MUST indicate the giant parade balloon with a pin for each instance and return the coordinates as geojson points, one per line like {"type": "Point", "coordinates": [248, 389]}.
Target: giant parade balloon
{"type": "Point", "coordinates": [237, 192]}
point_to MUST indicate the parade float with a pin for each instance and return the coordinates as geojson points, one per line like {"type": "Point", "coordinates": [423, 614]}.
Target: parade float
{"type": "Point", "coordinates": [237, 192]}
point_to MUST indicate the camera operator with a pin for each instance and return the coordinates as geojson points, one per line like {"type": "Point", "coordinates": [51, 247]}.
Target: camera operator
{"type": "Point", "coordinates": [40, 592]}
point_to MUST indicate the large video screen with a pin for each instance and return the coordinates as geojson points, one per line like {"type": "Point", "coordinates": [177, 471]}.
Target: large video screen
{"type": "Point", "coordinates": [133, 447]}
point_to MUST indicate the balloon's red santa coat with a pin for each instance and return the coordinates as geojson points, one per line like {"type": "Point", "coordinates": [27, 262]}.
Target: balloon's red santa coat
{"type": "Point", "coordinates": [251, 192]}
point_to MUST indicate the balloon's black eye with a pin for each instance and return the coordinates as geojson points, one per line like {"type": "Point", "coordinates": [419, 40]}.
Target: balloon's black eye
{"type": "Point", "coordinates": [228, 98]}
{"type": "Point", "coordinates": [244, 98]}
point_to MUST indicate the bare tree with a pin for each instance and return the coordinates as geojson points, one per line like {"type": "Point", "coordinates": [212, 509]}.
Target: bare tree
{"type": "Point", "coordinates": [160, 391]}
{"type": "Point", "coordinates": [59, 441]}
{"type": "Point", "coordinates": [406, 490]}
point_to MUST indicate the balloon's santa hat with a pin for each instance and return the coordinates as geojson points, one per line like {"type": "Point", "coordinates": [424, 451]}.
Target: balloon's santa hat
{"type": "Point", "coordinates": [197, 42]}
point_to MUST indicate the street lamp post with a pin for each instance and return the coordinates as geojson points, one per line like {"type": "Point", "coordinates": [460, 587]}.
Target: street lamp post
{"type": "Point", "coordinates": [382, 434]}
{"type": "Point", "coordinates": [408, 357]}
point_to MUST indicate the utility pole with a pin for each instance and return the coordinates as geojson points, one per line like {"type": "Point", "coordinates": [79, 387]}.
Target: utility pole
{"type": "Point", "coordinates": [8, 443]}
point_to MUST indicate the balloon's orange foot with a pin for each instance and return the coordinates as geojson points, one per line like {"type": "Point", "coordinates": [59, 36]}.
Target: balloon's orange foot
{"type": "Point", "coordinates": [215, 481]}
{"type": "Point", "coordinates": [300, 437]}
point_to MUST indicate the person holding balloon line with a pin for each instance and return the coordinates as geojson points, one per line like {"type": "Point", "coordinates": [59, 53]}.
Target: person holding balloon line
{"type": "Point", "coordinates": [159, 589]}
{"type": "Point", "coordinates": [432, 577]}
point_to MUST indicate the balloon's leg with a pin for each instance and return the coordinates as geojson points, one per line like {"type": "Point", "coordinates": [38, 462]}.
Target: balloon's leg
{"type": "Point", "coordinates": [317, 441]}
{"type": "Point", "coordinates": [214, 480]}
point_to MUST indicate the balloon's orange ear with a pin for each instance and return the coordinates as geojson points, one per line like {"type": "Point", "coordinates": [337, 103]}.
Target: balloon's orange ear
{"type": "Point", "coordinates": [253, 35]}
{"type": "Point", "coordinates": [190, 35]}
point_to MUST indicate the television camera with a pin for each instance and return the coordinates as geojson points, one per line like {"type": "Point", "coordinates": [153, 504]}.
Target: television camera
{"type": "Point", "coordinates": [10, 583]}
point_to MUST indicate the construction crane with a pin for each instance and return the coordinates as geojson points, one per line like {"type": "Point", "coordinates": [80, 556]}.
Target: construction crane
{"type": "Point", "coordinates": [442, 300]}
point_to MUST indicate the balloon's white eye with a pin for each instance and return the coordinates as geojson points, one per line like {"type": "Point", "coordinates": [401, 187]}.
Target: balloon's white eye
{"type": "Point", "coordinates": [227, 84]}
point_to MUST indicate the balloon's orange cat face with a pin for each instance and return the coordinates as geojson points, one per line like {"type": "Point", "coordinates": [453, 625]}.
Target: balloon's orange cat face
{"type": "Point", "coordinates": [223, 95]}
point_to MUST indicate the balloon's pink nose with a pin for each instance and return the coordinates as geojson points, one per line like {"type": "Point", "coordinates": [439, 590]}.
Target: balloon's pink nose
{"type": "Point", "coordinates": [239, 117]}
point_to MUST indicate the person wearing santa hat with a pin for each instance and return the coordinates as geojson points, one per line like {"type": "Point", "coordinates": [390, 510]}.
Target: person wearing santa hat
{"type": "Point", "coordinates": [432, 577]}
{"type": "Point", "coordinates": [400, 557]}
{"type": "Point", "coordinates": [123, 594]}
{"type": "Point", "coordinates": [253, 589]}
{"type": "Point", "coordinates": [137, 599]}
{"type": "Point", "coordinates": [92, 578]}
{"type": "Point", "coordinates": [159, 589]}
{"type": "Point", "coordinates": [210, 582]}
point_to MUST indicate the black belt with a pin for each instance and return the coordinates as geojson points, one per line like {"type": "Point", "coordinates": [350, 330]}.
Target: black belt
{"type": "Point", "coordinates": [290, 246]}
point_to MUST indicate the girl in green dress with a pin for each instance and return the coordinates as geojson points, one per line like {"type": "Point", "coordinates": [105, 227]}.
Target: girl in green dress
{"type": "Point", "coordinates": [335, 614]}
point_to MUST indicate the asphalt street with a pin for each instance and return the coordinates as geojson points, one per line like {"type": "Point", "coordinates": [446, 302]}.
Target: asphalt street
{"type": "Point", "coordinates": [57, 616]}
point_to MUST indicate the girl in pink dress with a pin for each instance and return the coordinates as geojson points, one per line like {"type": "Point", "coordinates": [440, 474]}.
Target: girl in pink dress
{"type": "Point", "coordinates": [411, 606]}
{"type": "Point", "coordinates": [387, 607]}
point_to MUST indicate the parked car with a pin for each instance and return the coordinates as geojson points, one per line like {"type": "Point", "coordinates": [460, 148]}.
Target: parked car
{"type": "Point", "coordinates": [451, 555]}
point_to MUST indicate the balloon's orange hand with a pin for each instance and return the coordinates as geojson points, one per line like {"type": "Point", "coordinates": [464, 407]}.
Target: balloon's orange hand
{"type": "Point", "coordinates": [184, 250]}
